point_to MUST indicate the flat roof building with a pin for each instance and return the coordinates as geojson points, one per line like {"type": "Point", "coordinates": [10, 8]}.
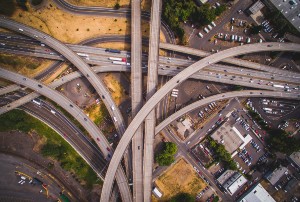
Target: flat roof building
{"type": "Point", "coordinates": [232, 181]}
{"type": "Point", "coordinates": [256, 194]}
{"type": "Point", "coordinates": [257, 6]}
{"type": "Point", "coordinates": [295, 158]}
{"type": "Point", "coordinates": [225, 176]}
{"type": "Point", "coordinates": [231, 138]}
{"type": "Point", "coordinates": [274, 177]}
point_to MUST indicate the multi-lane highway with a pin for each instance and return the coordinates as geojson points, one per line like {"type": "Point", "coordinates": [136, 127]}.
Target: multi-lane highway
{"type": "Point", "coordinates": [224, 96]}
{"type": "Point", "coordinates": [136, 99]}
{"type": "Point", "coordinates": [77, 113]}
{"type": "Point", "coordinates": [63, 126]}
{"type": "Point", "coordinates": [176, 80]}
{"type": "Point", "coordinates": [86, 71]}
{"type": "Point", "coordinates": [100, 57]}
{"type": "Point", "coordinates": [234, 61]}
{"type": "Point", "coordinates": [152, 78]}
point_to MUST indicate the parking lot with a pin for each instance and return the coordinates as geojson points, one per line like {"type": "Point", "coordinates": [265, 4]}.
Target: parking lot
{"type": "Point", "coordinates": [275, 111]}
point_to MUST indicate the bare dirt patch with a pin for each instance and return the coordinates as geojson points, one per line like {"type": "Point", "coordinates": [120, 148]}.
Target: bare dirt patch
{"type": "Point", "coordinates": [71, 28]}
{"type": "Point", "coordinates": [25, 65]}
{"type": "Point", "coordinates": [181, 177]}
{"type": "Point", "coordinates": [115, 88]}
{"type": "Point", "coordinates": [145, 4]}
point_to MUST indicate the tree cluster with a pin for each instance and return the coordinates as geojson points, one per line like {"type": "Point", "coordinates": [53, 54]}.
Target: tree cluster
{"type": "Point", "coordinates": [182, 197]}
{"type": "Point", "coordinates": [280, 141]}
{"type": "Point", "coordinates": [178, 11]}
{"type": "Point", "coordinates": [280, 23]}
{"type": "Point", "coordinates": [166, 157]}
{"type": "Point", "coordinates": [221, 154]}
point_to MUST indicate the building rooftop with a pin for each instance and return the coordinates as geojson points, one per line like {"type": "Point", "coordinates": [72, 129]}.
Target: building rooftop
{"type": "Point", "coordinates": [275, 176]}
{"type": "Point", "coordinates": [227, 136]}
{"type": "Point", "coordinates": [238, 183]}
{"type": "Point", "coordinates": [157, 193]}
{"type": "Point", "coordinates": [257, 6]}
{"type": "Point", "coordinates": [225, 176]}
{"type": "Point", "coordinates": [293, 183]}
{"type": "Point", "coordinates": [256, 194]}
{"type": "Point", "coordinates": [295, 157]}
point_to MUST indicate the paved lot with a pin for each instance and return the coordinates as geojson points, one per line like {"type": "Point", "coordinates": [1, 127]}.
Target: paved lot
{"type": "Point", "coordinates": [23, 146]}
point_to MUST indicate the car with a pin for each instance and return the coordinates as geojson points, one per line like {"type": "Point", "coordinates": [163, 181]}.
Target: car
{"type": "Point", "coordinates": [107, 148]}
{"type": "Point", "coordinates": [98, 139]}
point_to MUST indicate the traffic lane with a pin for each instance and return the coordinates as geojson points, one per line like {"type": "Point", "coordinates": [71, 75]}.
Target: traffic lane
{"type": "Point", "coordinates": [165, 60]}
{"type": "Point", "coordinates": [75, 59]}
{"type": "Point", "coordinates": [95, 160]}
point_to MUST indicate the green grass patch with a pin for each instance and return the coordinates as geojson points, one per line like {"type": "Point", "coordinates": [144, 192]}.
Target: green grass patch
{"type": "Point", "coordinates": [55, 147]}
{"type": "Point", "coordinates": [97, 113]}
{"type": "Point", "coordinates": [7, 7]}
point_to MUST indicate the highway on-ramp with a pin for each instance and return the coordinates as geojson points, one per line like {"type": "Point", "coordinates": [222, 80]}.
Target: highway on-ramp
{"type": "Point", "coordinates": [77, 113]}
{"type": "Point", "coordinates": [179, 78]}
{"type": "Point", "coordinates": [83, 67]}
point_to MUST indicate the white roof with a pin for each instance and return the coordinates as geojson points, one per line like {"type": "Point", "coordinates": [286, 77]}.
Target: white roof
{"type": "Point", "coordinates": [237, 184]}
{"type": "Point", "coordinates": [257, 194]}
{"type": "Point", "coordinates": [157, 192]}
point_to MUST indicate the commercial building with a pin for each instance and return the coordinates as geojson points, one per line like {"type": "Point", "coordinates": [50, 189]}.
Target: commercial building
{"type": "Point", "coordinates": [295, 159]}
{"type": "Point", "coordinates": [232, 181]}
{"type": "Point", "coordinates": [274, 177]}
{"type": "Point", "coordinates": [257, 6]}
{"type": "Point", "coordinates": [231, 138]}
{"type": "Point", "coordinates": [256, 194]}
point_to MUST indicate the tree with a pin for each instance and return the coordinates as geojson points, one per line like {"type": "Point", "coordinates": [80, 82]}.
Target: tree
{"type": "Point", "coordinates": [220, 9]}
{"type": "Point", "coordinates": [255, 29]}
{"type": "Point", "coordinates": [182, 197]}
{"type": "Point", "coordinates": [117, 6]}
{"type": "Point", "coordinates": [280, 141]}
{"type": "Point", "coordinates": [166, 157]}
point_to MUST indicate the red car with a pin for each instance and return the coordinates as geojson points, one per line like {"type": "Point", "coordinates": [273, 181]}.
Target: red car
{"type": "Point", "coordinates": [98, 139]}
{"type": "Point", "coordinates": [108, 149]}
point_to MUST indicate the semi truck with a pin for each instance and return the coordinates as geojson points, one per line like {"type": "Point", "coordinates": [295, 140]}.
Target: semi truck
{"type": "Point", "coordinates": [278, 86]}
{"type": "Point", "coordinates": [117, 59]}
{"type": "Point", "coordinates": [82, 54]}
{"type": "Point", "coordinates": [120, 63]}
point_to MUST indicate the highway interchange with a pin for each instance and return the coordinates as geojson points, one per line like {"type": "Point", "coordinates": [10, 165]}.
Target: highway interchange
{"type": "Point", "coordinates": [149, 106]}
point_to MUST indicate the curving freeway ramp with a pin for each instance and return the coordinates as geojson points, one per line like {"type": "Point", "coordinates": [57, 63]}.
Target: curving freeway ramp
{"type": "Point", "coordinates": [77, 113]}
{"type": "Point", "coordinates": [224, 96]}
{"type": "Point", "coordinates": [179, 78]}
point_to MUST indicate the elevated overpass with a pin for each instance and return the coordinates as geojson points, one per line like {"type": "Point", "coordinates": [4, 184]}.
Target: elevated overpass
{"type": "Point", "coordinates": [176, 80]}
{"type": "Point", "coordinates": [136, 99]}
{"type": "Point", "coordinates": [152, 79]}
